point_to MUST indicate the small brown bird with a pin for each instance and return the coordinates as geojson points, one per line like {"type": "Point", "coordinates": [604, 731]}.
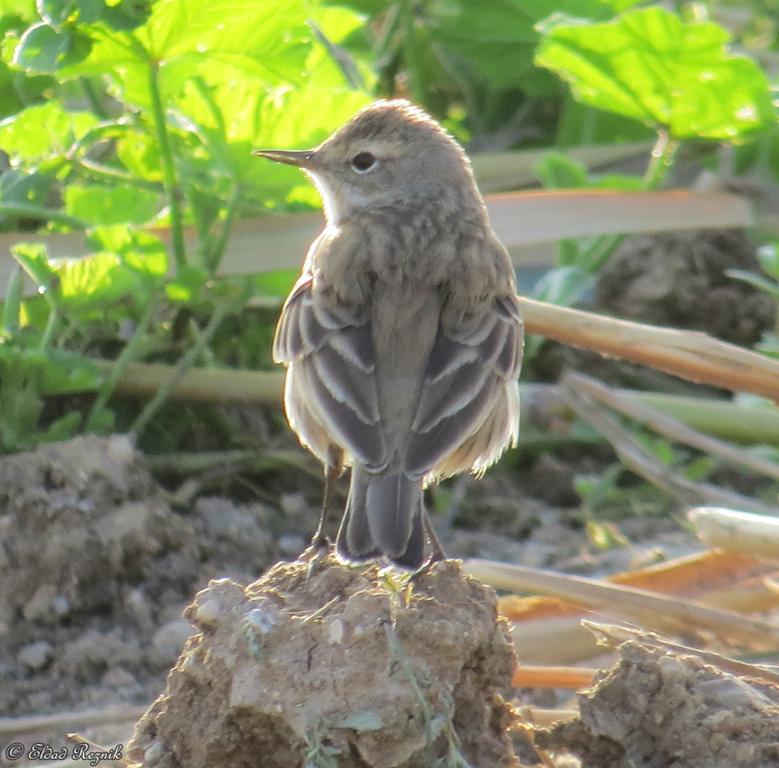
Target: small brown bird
{"type": "Point", "coordinates": [402, 337]}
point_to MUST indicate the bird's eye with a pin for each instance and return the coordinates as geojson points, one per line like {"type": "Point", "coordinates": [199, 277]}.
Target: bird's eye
{"type": "Point", "coordinates": [363, 162]}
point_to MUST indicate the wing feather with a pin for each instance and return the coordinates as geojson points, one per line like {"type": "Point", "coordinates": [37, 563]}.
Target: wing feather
{"type": "Point", "coordinates": [469, 369]}
{"type": "Point", "coordinates": [332, 356]}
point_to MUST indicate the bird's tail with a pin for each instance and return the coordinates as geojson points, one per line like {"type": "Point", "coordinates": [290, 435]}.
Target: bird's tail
{"type": "Point", "coordinates": [383, 516]}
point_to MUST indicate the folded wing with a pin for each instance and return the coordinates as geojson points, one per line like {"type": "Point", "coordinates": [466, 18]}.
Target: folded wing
{"type": "Point", "coordinates": [469, 371]}
{"type": "Point", "coordinates": [332, 354]}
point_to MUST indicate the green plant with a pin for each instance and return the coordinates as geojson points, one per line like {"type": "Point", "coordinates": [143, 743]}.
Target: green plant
{"type": "Point", "coordinates": [170, 100]}
{"type": "Point", "coordinates": [673, 75]}
{"type": "Point", "coordinates": [768, 282]}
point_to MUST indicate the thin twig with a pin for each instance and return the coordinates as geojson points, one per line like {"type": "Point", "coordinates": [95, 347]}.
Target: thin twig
{"type": "Point", "coordinates": [689, 354]}
{"type": "Point", "coordinates": [119, 366]}
{"type": "Point", "coordinates": [640, 461]}
{"type": "Point", "coordinates": [151, 408]}
{"type": "Point", "coordinates": [638, 605]}
{"type": "Point", "coordinates": [611, 636]}
{"type": "Point", "coordinates": [756, 535]}
{"type": "Point", "coordinates": [168, 166]}
{"type": "Point", "coordinates": [672, 428]}
{"type": "Point", "coordinates": [572, 678]}
{"type": "Point", "coordinates": [121, 713]}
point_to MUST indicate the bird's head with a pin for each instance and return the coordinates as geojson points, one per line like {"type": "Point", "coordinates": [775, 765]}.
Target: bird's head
{"type": "Point", "coordinates": [389, 153]}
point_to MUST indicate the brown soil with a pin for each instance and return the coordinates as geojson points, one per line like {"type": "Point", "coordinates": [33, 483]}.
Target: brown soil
{"type": "Point", "coordinates": [656, 709]}
{"type": "Point", "coordinates": [676, 280]}
{"type": "Point", "coordinates": [680, 280]}
{"type": "Point", "coordinates": [322, 664]}
{"type": "Point", "coordinates": [95, 569]}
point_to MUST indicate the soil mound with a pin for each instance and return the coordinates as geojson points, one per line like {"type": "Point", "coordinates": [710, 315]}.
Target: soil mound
{"type": "Point", "coordinates": [340, 667]}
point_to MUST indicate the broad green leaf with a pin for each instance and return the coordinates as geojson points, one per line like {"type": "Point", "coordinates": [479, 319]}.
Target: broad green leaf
{"type": "Point", "coordinates": [44, 49]}
{"type": "Point", "coordinates": [650, 65]}
{"type": "Point", "coordinates": [140, 154]}
{"type": "Point", "coordinates": [96, 281]}
{"type": "Point", "coordinates": [138, 249]}
{"type": "Point", "coordinates": [23, 8]}
{"type": "Point", "coordinates": [215, 39]}
{"type": "Point", "coordinates": [45, 130]}
{"type": "Point", "coordinates": [34, 260]}
{"type": "Point", "coordinates": [103, 205]}
{"type": "Point", "coordinates": [18, 186]}
{"type": "Point", "coordinates": [497, 38]}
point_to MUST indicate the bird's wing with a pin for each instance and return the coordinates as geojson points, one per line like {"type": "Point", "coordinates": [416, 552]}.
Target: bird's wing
{"type": "Point", "coordinates": [468, 367]}
{"type": "Point", "coordinates": [332, 351]}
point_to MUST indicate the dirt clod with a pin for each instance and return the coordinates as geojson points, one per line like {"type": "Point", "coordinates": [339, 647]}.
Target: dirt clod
{"type": "Point", "coordinates": [336, 668]}
{"type": "Point", "coordinates": [656, 709]}
{"type": "Point", "coordinates": [680, 279]}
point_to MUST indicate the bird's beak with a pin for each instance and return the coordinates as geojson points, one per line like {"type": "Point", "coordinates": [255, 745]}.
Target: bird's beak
{"type": "Point", "coordinates": [303, 158]}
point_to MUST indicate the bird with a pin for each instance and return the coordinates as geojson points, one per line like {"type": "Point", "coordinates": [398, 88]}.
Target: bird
{"type": "Point", "coordinates": [402, 338]}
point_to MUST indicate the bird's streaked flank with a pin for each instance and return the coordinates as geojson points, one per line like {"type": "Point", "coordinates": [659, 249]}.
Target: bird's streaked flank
{"type": "Point", "coordinates": [402, 337]}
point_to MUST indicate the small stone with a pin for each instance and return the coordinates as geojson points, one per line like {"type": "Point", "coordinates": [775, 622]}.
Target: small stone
{"type": "Point", "coordinates": [153, 753]}
{"type": "Point", "coordinates": [335, 632]}
{"type": "Point", "coordinates": [207, 613]}
{"type": "Point", "coordinates": [35, 655]}
{"type": "Point", "coordinates": [169, 639]}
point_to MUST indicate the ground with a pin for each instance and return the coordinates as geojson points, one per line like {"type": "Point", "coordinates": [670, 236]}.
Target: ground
{"type": "Point", "coordinates": [99, 557]}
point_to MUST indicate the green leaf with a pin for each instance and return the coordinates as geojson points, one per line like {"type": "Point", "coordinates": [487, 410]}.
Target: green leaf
{"type": "Point", "coordinates": [45, 130]}
{"type": "Point", "coordinates": [140, 154]}
{"type": "Point", "coordinates": [771, 287]}
{"type": "Point", "coordinates": [768, 256]}
{"type": "Point", "coordinates": [34, 260]}
{"type": "Point", "coordinates": [44, 49]}
{"type": "Point", "coordinates": [188, 284]}
{"type": "Point", "coordinates": [650, 65]}
{"type": "Point", "coordinates": [96, 282]}
{"type": "Point", "coordinates": [563, 285]}
{"type": "Point", "coordinates": [102, 205]}
{"type": "Point", "coordinates": [139, 250]}
{"type": "Point", "coordinates": [13, 299]}
{"type": "Point", "coordinates": [276, 284]}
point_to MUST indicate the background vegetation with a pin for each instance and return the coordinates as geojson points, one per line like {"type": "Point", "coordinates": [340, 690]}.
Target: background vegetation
{"type": "Point", "coordinates": [130, 124]}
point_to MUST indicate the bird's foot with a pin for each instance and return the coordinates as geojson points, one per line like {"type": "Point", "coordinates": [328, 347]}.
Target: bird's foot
{"type": "Point", "coordinates": [437, 556]}
{"type": "Point", "coordinates": [316, 552]}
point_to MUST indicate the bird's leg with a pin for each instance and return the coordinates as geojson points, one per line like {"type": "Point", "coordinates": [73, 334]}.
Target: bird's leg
{"type": "Point", "coordinates": [333, 470]}
{"type": "Point", "coordinates": [437, 553]}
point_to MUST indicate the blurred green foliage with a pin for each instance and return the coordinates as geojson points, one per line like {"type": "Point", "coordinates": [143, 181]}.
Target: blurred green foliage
{"type": "Point", "coordinates": [117, 116]}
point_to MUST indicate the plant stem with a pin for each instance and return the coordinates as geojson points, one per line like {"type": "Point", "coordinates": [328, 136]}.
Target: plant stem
{"type": "Point", "coordinates": [29, 211]}
{"type": "Point", "coordinates": [168, 167]}
{"type": "Point", "coordinates": [117, 369]}
{"type": "Point", "coordinates": [51, 324]}
{"type": "Point", "coordinates": [215, 258]}
{"type": "Point", "coordinates": [167, 387]}
{"type": "Point", "coordinates": [663, 154]}
{"type": "Point", "coordinates": [100, 172]}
